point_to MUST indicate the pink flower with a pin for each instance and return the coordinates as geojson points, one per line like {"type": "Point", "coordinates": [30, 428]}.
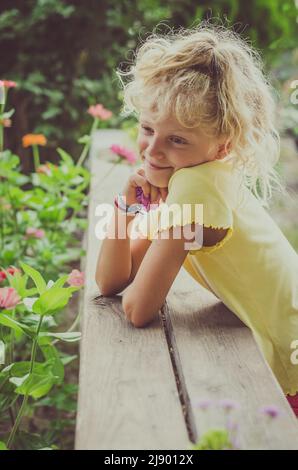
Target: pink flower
{"type": "Point", "coordinates": [76, 278]}
{"type": "Point", "coordinates": [8, 83]}
{"type": "Point", "coordinates": [271, 410]}
{"type": "Point", "coordinates": [6, 122]}
{"type": "Point", "coordinates": [228, 405]}
{"type": "Point", "coordinates": [9, 297]}
{"type": "Point", "coordinates": [203, 404]}
{"type": "Point", "coordinates": [98, 111]}
{"type": "Point", "coordinates": [35, 232]}
{"type": "Point", "coordinates": [13, 270]}
{"type": "Point", "coordinates": [124, 152]}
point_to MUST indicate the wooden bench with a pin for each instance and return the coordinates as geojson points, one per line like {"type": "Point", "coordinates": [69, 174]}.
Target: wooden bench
{"type": "Point", "coordinates": [137, 387]}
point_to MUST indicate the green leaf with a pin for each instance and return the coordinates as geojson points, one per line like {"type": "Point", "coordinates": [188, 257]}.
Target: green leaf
{"type": "Point", "coordinates": [68, 359]}
{"type": "Point", "coordinates": [18, 381]}
{"type": "Point", "coordinates": [66, 157]}
{"type": "Point", "coordinates": [21, 368]}
{"type": "Point", "coordinates": [13, 324]}
{"type": "Point", "coordinates": [69, 337]}
{"type": "Point", "coordinates": [36, 277]}
{"type": "Point", "coordinates": [30, 292]}
{"type": "Point", "coordinates": [31, 441]}
{"type": "Point", "coordinates": [51, 113]}
{"type": "Point", "coordinates": [8, 114]}
{"type": "Point", "coordinates": [60, 282]}
{"type": "Point", "coordinates": [35, 385]}
{"type": "Point", "coordinates": [214, 439]}
{"type": "Point", "coordinates": [52, 300]}
{"type": "Point", "coordinates": [39, 382]}
{"type": "Point", "coordinates": [85, 139]}
{"type": "Point", "coordinates": [3, 446]}
{"type": "Point", "coordinates": [51, 355]}
{"type": "Point", "coordinates": [19, 282]}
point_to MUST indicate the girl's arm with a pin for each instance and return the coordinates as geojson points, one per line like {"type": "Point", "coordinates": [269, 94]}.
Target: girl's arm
{"type": "Point", "coordinates": [158, 269]}
{"type": "Point", "coordinates": [114, 263]}
{"type": "Point", "coordinates": [119, 258]}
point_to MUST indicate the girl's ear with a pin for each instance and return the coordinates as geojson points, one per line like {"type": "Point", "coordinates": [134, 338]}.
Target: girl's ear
{"type": "Point", "coordinates": [223, 150]}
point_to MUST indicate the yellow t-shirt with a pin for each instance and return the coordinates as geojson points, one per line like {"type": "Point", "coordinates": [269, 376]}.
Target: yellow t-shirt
{"type": "Point", "coordinates": [253, 270]}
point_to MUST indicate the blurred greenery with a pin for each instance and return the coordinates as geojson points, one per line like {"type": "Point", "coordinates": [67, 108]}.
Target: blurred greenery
{"type": "Point", "coordinates": [63, 54]}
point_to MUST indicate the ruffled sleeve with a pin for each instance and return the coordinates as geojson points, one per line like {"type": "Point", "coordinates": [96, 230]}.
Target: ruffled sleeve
{"type": "Point", "coordinates": [192, 197]}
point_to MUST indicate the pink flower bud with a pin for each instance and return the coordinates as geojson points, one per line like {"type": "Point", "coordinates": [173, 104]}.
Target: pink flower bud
{"type": "Point", "coordinates": [9, 297]}
{"type": "Point", "coordinates": [98, 111]}
{"type": "Point", "coordinates": [76, 278]}
{"type": "Point", "coordinates": [9, 83]}
{"type": "Point", "coordinates": [35, 232]}
{"type": "Point", "coordinates": [124, 152]}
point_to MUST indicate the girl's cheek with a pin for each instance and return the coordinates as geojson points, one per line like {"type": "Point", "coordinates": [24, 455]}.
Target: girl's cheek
{"type": "Point", "coordinates": [142, 144]}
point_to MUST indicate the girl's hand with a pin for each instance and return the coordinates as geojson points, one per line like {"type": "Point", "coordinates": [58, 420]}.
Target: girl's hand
{"type": "Point", "coordinates": [138, 179]}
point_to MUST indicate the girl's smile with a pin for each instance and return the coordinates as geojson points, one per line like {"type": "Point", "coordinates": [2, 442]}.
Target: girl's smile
{"type": "Point", "coordinates": [155, 167]}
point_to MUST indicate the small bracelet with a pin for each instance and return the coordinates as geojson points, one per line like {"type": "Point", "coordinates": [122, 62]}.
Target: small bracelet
{"type": "Point", "coordinates": [133, 209]}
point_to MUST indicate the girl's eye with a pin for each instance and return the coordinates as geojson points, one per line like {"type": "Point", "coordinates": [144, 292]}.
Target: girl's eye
{"type": "Point", "coordinates": [178, 141]}
{"type": "Point", "coordinates": [146, 128]}
{"type": "Point", "coordinates": [181, 142]}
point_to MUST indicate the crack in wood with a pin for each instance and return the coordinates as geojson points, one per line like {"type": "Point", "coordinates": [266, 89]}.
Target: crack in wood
{"type": "Point", "coordinates": [178, 374]}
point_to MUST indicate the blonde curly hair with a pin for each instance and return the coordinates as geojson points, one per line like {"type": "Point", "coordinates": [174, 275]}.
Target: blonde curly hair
{"type": "Point", "coordinates": [209, 76]}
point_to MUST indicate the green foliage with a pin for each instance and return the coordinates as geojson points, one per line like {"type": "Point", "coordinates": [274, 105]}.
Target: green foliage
{"type": "Point", "coordinates": [214, 439]}
{"type": "Point", "coordinates": [54, 203]}
{"type": "Point", "coordinates": [33, 367]}
{"type": "Point", "coordinates": [33, 378]}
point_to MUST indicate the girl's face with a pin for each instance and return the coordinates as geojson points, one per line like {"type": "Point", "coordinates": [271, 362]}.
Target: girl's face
{"type": "Point", "coordinates": [170, 147]}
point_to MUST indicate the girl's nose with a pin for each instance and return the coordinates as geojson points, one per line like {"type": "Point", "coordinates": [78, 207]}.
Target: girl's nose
{"type": "Point", "coordinates": [154, 150]}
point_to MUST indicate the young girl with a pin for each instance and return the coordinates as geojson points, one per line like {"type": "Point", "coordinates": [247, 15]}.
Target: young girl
{"type": "Point", "coordinates": [206, 137]}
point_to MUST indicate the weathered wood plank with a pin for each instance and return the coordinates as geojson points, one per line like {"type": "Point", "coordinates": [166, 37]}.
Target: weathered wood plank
{"type": "Point", "coordinates": [219, 359]}
{"type": "Point", "coordinates": [127, 396]}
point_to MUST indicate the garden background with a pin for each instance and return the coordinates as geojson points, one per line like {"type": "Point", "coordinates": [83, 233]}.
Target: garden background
{"type": "Point", "coordinates": [59, 60]}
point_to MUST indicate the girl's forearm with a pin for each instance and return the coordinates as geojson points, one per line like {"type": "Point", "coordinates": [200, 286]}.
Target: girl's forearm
{"type": "Point", "coordinates": [114, 260]}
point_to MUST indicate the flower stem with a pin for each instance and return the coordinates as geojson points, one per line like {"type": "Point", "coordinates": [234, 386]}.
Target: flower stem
{"type": "Point", "coordinates": [26, 396]}
{"type": "Point", "coordinates": [36, 157]}
{"type": "Point", "coordinates": [1, 137]}
{"type": "Point", "coordinates": [2, 107]}
{"type": "Point", "coordinates": [17, 421]}
{"type": "Point", "coordinates": [112, 168]}
{"type": "Point", "coordinates": [87, 145]}
{"type": "Point", "coordinates": [2, 228]}
{"type": "Point", "coordinates": [11, 348]}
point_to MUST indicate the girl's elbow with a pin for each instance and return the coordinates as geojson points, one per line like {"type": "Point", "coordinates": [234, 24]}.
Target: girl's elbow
{"type": "Point", "coordinates": [130, 314]}
{"type": "Point", "coordinates": [127, 307]}
{"type": "Point", "coordinates": [135, 315]}
{"type": "Point", "coordinates": [104, 289]}
{"type": "Point", "coordinates": [109, 289]}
